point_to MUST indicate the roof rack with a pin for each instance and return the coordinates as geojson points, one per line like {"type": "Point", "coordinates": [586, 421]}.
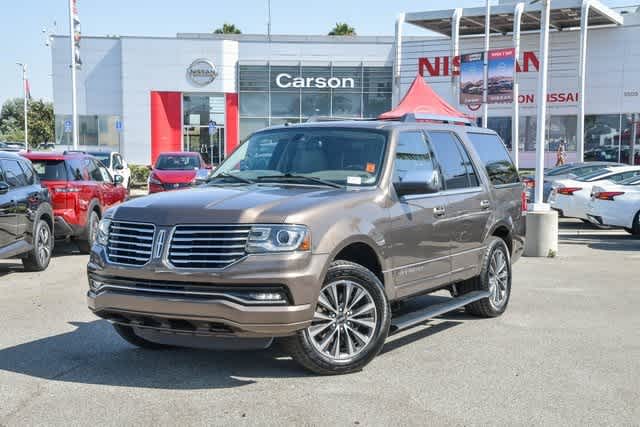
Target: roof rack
{"type": "Point", "coordinates": [65, 152]}
{"type": "Point", "coordinates": [415, 117]}
{"type": "Point", "coordinates": [336, 119]}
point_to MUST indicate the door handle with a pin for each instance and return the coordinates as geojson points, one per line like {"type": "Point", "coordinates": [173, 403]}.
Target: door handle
{"type": "Point", "coordinates": [485, 204]}
{"type": "Point", "coordinates": [439, 211]}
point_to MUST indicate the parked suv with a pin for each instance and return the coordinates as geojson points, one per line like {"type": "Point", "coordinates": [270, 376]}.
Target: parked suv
{"type": "Point", "coordinates": [314, 241]}
{"type": "Point", "coordinates": [81, 190]}
{"type": "Point", "coordinates": [26, 217]}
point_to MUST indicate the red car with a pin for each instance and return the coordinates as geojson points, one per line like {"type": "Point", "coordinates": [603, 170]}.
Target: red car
{"type": "Point", "coordinates": [174, 171]}
{"type": "Point", "coordinates": [81, 190]}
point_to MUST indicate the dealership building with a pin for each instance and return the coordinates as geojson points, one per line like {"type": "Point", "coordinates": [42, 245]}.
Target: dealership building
{"type": "Point", "coordinates": [207, 93]}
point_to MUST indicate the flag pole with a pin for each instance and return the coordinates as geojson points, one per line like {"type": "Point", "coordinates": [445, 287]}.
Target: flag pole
{"type": "Point", "coordinates": [25, 104]}
{"type": "Point", "coordinates": [74, 105]}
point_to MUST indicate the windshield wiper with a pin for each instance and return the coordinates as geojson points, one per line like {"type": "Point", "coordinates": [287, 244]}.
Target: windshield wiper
{"type": "Point", "coordinates": [229, 175]}
{"type": "Point", "coordinates": [304, 177]}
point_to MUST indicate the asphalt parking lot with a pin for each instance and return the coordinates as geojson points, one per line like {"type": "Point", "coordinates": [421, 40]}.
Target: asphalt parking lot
{"type": "Point", "coordinates": [567, 352]}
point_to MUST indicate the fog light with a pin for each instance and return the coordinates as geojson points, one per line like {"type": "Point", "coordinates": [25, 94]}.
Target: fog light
{"type": "Point", "coordinates": [94, 285]}
{"type": "Point", "coordinates": [266, 296]}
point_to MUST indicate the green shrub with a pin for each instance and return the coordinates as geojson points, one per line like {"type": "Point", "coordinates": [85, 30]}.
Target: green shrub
{"type": "Point", "coordinates": [139, 174]}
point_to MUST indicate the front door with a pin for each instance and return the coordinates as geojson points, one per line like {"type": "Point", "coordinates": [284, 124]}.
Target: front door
{"type": "Point", "coordinates": [8, 219]}
{"type": "Point", "coordinates": [418, 240]}
{"type": "Point", "coordinates": [209, 142]}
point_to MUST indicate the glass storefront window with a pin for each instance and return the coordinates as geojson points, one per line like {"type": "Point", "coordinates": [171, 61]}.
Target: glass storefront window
{"type": "Point", "coordinates": [502, 125]}
{"type": "Point", "coordinates": [375, 104]}
{"type": "Point", "coordinates": [345, 104]}
{"type": "Point", "coordinates": [315, 104]}
{"type": "Point", "coordinates": [95, 130]}
{"type": "Point", "coordinates": [285, 104]}
{"type": "Point", "coordinates": [254, 104]}
{"type": "Point", "coordinates": [562, 129]}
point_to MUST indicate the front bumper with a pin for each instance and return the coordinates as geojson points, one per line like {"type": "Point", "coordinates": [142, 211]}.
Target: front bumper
{"type": "Point", "coordinates": [209, 303]}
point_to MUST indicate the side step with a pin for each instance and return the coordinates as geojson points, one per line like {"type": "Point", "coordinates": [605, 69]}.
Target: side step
{"type": "Point", "coordinates": [416, 317]}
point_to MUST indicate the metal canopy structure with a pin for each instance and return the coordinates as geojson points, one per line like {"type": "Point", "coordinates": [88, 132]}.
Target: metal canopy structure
{"type": "Point", "coordinates": [565, 14]}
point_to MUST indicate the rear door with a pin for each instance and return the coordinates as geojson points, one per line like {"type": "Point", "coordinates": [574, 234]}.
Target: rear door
{"type": "Point", "coordinates": [15, 177]}
{"type": "Point", "coordinates": [417, 240]}
{"type": "Point", "coordinates": [468, 204]}
{"type": "Point", "coordinates": [8, 221]}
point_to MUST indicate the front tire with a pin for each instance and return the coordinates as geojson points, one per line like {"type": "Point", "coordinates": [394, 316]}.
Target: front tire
{"type": "Point", "coordinates": [350, 324]}
{"type": "Point", "coordinates": [86, 241]}
{"type": "Point", "coordinates": [494, 277]}
{"type": "Point", "coordinates": [38, 258]}
{"type": "Point", "coordinates": [635, 228]}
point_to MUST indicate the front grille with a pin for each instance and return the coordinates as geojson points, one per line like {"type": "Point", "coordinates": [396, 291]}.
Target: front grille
{"type": "Point", "coordinates": [177, 186]}
{"type": "Point", "coordinates": [207, 246]}
{"type": "Point", "coordinates": [130, 243]}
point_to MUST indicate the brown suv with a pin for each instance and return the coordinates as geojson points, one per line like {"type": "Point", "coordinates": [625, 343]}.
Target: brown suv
{"type": "Point", "coordinates": [309, 233]}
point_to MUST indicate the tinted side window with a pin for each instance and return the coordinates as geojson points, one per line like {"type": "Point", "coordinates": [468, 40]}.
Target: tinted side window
{"type": "Point", "coordinates": [495, 157]}
{"type": "Point", "coordinates": [14, 176]}
{"type": "Point", "coordinates": [454, 161]}
{"type": "Point", "coordinates": [117, 161]}
{"type": "Point", "coordinates": [77, 170]}
{"type": "Point", "coordinates": [413, 153]}
{"type": "Point", "coordinates": [94, 171]}
{"type": "Point", "coordinates": [28, 172]}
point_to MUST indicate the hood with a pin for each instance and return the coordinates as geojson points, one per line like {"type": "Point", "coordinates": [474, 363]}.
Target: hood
{"type": "Point", "coordinates": [175, 177]}
{"type": "Point", "coordinates": [241, 204]}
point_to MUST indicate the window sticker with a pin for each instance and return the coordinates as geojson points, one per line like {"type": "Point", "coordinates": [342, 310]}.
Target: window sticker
{"type": "Point", "coordinates": [371, 168]}
{"type": "Point", "coordinates": [354, 180]}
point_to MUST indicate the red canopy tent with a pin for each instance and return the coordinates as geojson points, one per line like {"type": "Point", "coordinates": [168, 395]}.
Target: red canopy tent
{"type": "Point", "coordinates": [421, 99]}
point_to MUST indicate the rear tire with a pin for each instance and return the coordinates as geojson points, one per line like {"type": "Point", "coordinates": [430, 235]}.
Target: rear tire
{"type": "Point", "coordinates": [128, 334]}
{"type": "Point", "coordinates": [38, 258]}
{"type": "Point", "coordinates": [86, 241]}
{"type": "Point", "coordinates": [351, 323]}
{"type": "Point", "coordinates": [494, 277]}
{"type": "Point", "coordinates": [635, 228]}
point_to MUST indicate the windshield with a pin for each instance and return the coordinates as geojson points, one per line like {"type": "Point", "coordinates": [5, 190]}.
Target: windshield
{"type": "Point", "coordinates": [340, 156]}
{"type": "Point", "coordinates": [177, 162]}
{"type": "Point", "coordinates": [594, 176]}
{"type": "Point", "coordinates": [103, 157]}
{"type": "Point", "coordinates": [634, 180]}
{"type": "Point", "coordinates": [560, 170]}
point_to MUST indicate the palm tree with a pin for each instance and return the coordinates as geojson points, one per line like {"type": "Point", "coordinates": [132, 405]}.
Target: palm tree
{"type": "Point", "coordinates": [227, 29]}
{"type": "Point", "coordinates": [342, 29]}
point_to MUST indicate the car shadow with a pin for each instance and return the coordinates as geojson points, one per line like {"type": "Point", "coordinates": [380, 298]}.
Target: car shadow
{"type": "Point", "coordinates": [61, 248]}
{"type": "Point", "coordinates": [92, 353]}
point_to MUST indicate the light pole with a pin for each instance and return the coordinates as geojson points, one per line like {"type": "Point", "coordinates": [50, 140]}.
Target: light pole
{"type": "Point", "coordinates": [74, 101]}
{"type": "Point", "coordinates": [487, 33]}
{"type": "Point", "coordinates": [24, 94]}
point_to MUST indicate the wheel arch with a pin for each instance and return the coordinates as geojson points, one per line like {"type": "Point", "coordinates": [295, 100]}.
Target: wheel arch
{"type": "Point", "coordinates": [363, 253]}
{"type": "Point", "coordinates": [503, 231]}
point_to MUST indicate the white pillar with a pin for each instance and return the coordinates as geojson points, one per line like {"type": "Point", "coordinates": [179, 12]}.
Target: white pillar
{"type": "Point", "coordinates": [485, 89]}
{"type": "Point", "coordinates": [515, 119]}
{"type": "Point", "coordinates": [582, 69]}
{"type": "Point", "coordinates": [455, 50]}
{"type": "Point", "coordinates": [396, 94]}
{"type": "Point", "coordinates": [538, 204]}
{"type": "Point", "coordinates": [74, 105]}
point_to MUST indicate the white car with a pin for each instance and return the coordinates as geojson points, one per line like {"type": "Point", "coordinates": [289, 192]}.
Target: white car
{"type": "Point", "coordinates": [115, 163]}
{"type": "Point", "coordinates": [616, 205]}
{"type": "Point", "coordinates": [571, 196]}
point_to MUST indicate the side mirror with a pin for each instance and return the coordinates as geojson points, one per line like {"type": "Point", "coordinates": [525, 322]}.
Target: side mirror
{"type": "Point", "coordinates": [4, 188]}
{"type": "Point", "coordinates": [118, 179]}
{"type": "Point", "coordinates": [417, 182]}
{"type": "Point", "coordinates": [119, 167]}
{"type": "Point", "coordinates": [150, 167]}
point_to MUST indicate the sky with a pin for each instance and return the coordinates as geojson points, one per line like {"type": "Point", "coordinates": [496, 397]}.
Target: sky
{"type": "Point", "coordinates": [22, 23]}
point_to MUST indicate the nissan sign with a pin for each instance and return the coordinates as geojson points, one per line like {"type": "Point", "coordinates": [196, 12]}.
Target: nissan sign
{"type": "Point", "coordinates": [285, 80]}
{"type": "Point", "coordinates": [201, 72]}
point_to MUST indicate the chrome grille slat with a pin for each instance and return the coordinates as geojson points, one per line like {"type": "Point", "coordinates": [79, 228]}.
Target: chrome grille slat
{"type": "Point", "coordinates": [130, 243]}
{"type": "Point", "coordinates": [209, 247]}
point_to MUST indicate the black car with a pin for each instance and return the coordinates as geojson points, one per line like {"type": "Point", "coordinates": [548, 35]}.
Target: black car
{"type": "Point", "coordinates": [26, 216]}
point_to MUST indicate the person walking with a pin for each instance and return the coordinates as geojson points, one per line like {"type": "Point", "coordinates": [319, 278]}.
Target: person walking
{"type": "Point", "coordinates": [561, 154]}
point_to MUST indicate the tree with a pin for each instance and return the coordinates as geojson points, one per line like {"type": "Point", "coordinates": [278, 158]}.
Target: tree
{"type": "Point", "coordinates": [227, 29]}
{"type": "Point", "coordinates": [342, 29]}
{"type": "Point", "coordinates": [41, 121]}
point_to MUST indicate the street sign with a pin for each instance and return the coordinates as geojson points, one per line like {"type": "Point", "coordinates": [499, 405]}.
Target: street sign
{"type": "Point", "coordinates": [212, 127]}
{"type": "Point", "coordinates": [67, 126]}
{"type": "Point", "coordinates": [119, 125]}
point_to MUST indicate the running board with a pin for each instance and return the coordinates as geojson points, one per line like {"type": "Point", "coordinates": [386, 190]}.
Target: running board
{"type": "Point", "coordinates": [414, 318]}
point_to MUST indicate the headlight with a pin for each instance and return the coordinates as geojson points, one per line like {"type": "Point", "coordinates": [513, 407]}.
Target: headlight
{"type": "Point", "coordinates": [103, 232]}
{"type": "Point", "coordinates": [278, 238]}
{"type": "Point", "coordinates": [154, 180]}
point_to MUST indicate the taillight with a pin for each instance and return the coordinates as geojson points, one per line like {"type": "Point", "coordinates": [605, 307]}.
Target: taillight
{"type": "Point", "coordinates": [523, 197]}
{"type": "Point", "coordinates": [529, 182]}
{"type": "Point", "coordinates": [568, 191]}
{"type": "Point", "coordinates": [608, 195]}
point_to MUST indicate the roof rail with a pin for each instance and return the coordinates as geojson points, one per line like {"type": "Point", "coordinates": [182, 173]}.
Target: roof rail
{"type": "Point", "coordinates": [414, 117]}
{"type": "Point", "coordinates": [335, 119]}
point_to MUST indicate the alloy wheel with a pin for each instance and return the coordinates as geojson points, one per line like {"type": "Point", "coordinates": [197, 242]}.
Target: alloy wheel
{"type": "Point", "coordinates": [43, 242]}
{"type": "Point", "coordinates": [344, 322]}
{"type": "Point", "coordinates": [498, 279]}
